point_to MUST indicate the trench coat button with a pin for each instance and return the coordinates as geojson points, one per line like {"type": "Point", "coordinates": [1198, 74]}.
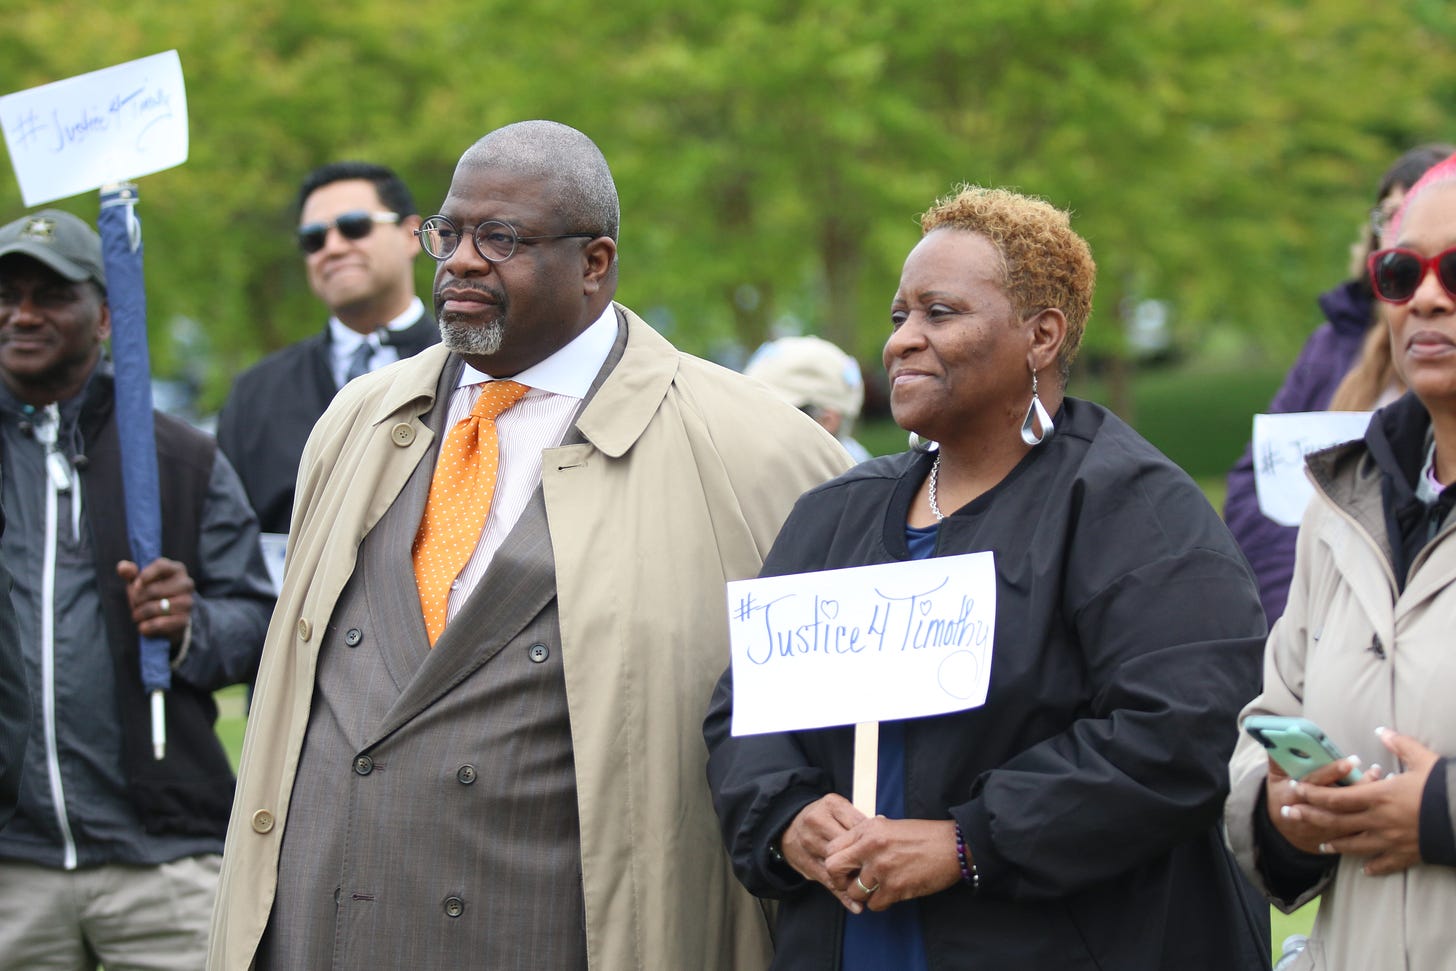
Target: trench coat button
{"type": "Point", "coordinates": [454, 906]}
{"type": "Point", "coordinates": [402, 434]}
{"type": "Point", "coordinates": [363, 765]}
{"type": "Point", "coordinates": [262, 821]}
{"type": "Point", "coordinates": [353, 636]}
{"type": "Point", "coordinates": [305, 629]}
{"type": "Point", "coordinates": [539, 652]}
{"type": "Point", "coordinates": [466, 775]}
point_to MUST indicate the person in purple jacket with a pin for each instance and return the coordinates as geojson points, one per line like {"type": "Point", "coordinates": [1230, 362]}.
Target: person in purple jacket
{"type": "Point", "coordinates": [1329, 354]}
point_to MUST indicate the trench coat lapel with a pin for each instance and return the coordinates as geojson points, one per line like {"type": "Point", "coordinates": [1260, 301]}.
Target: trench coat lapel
{"type": "Point", "coordinates": [517, 586]}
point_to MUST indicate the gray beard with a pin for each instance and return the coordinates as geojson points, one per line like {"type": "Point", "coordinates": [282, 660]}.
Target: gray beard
{"type": "Point", "coordinates": [472, 340]}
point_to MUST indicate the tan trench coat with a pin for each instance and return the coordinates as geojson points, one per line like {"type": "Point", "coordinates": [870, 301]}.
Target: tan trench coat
{"type": "Point", "coordinates": [1319, 664]}
{"type": "Point", "coordinates": [688, 473]}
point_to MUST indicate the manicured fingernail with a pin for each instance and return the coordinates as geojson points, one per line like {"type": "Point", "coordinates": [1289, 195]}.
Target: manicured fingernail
{"type": "Point", "coordinates": [1286, 811]}
{"type": "Point", "coordinates": [1353, 759]}
{"type": "Point", "coordinates": [1381, 730]}
{"type": "Point", "coordinates": [1376, 767]}
{"type": "Point", "coordinates": [1294, 783]}
{"type": "Point", "coordinates": [1326, 848]}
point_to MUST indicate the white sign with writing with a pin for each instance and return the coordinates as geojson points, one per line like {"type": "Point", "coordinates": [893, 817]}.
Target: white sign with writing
{"type": "Point", "coordinates": [111, 125]}
{"type": "Point", "coordinates": [866, 644]}
{"type": "Point", "coordinates": [1280, 444]}
{"type": "Point", "coordinates": [275, 551]}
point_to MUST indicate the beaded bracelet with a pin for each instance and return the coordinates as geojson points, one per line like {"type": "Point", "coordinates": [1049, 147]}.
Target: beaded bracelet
{"type": "Point", "coordinates": [969, 873]}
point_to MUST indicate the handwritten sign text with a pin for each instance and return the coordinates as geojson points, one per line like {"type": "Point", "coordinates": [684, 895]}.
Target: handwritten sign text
{"type": "Point", "coordinates": [84, 132]}
{"type": "Point", "coordinates": [871, 643]}
{"type": "Point", "coordinates": [1280, 444]}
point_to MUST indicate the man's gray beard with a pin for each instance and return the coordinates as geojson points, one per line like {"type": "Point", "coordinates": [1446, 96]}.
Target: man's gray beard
{"type": "Point", "coordinates": [472, 340]}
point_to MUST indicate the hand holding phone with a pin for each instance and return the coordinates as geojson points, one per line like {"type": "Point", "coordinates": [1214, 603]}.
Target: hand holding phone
{"type": "Point", "coordinates": [1297, 745]}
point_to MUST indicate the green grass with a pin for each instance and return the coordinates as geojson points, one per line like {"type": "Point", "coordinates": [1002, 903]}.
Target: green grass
{"type": "Point", "coordinates": [231, 720]}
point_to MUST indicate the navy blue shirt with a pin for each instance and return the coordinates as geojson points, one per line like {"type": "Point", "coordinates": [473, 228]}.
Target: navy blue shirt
{"type": "Point", "coordinates": [891, 940]}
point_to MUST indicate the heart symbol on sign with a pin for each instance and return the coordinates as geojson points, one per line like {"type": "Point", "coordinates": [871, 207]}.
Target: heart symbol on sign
{"type": "Point", "coordinates": [829, 609]}
{"type": "Point", "coordinates": [925, 606]}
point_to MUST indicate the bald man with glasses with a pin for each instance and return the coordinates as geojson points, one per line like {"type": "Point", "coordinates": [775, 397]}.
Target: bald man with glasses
{"type": "Point", "coordinates": [356, 224]}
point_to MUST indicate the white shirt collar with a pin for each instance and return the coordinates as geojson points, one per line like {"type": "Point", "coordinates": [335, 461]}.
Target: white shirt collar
{"type": "Point", "coordinates": [346, 338]}
{"type": "Point", "coordinates": [572, 369]}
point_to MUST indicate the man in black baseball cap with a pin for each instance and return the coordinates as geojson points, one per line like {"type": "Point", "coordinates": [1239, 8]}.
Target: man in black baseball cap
{"type": "Point", "coordinates": [112, 856]}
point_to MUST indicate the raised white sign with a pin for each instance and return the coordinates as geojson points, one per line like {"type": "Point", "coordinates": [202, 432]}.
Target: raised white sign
{"type": "Point", "coordinates": [111, 125]}
{"type": "Point", "coordinates": [865, 644]}
{"type": "Point", "coordinates": [1280, 444]}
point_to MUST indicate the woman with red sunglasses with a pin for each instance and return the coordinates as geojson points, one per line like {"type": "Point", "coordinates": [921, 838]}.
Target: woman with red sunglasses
{"type": "Point", "coordinates": [1365, 647]}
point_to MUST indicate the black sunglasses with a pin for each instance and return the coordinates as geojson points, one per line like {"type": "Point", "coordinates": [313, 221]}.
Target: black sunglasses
{"type": "Point", "coordinates": [355, 224]}
{"type": "Point", "coordinates": [1396, 273]}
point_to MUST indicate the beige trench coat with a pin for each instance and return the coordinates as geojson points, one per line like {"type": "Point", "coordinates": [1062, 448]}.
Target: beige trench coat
{"type": "Point", "coordinates": [1319, 664]}
{"type": "Point", "coordinates": [688, 473]}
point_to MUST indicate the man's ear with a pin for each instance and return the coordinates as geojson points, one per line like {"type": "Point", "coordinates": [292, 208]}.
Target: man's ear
{"type": "Point", "coordinates": [103, 322]}
{"type": "Point", "coordinates": [599, 263]}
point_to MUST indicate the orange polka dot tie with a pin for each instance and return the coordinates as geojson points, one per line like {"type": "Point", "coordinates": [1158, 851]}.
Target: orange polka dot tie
{"type": "Point", "coordinates": [460, 495]}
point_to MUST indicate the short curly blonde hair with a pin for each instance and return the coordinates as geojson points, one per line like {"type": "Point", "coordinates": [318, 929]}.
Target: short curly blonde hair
{"type": "Point", "coordinates": [1043, 262]}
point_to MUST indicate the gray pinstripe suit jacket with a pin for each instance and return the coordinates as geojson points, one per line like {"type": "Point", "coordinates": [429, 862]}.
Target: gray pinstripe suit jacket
{"type": "Point", "coordinates": [474, 734]}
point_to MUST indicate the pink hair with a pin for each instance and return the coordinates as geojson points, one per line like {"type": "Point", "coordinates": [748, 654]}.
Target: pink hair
{"type": "Point", "coordinates": [1442, 171]}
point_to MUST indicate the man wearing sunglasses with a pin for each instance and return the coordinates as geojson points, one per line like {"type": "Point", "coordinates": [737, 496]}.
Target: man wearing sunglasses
{"type": "Point", "coordinates": [496, 762]}
{"type": "Point", "coordinates": [356, 232]}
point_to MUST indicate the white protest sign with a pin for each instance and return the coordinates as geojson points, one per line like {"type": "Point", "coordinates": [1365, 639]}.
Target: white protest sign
{"type": "Point", "coordinates": [1280, 444]}
{"type": "Point", "coordinates": [866, 644]}
{"type": "Point", "coordinates": [275, 551]}
{"type": "Point", "coordinates": [111, 125]}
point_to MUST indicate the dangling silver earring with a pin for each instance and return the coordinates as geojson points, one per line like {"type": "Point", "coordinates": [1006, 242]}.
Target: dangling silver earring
{"type": "Point", "coordinates": [1036, 413]}
{"type": "Point", "coordinates": [922, 444]}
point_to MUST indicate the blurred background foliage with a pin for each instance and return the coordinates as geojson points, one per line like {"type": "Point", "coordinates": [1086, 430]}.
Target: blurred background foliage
{"type": "Point", "coordinates": [772, 157]}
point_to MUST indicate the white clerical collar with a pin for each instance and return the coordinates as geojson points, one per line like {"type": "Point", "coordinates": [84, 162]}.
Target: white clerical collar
{"type": "Point", "coordinates": [346, 338]}
{"type": "Point", "coordinates": [572, 369]}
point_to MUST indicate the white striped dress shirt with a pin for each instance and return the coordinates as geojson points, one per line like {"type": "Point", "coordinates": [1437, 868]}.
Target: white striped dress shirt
{"type": "Point", "coordinates": [535, 423]}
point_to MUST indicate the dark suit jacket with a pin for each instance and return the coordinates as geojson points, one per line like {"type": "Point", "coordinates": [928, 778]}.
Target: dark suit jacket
{"type": "Point", "coordinates": [275, 404]}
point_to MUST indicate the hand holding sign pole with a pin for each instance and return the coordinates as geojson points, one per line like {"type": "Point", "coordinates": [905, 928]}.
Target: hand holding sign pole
{"type": "Point", "coordinates": [96, 131]}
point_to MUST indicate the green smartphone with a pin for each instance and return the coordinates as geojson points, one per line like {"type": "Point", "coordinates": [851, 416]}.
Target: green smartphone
{"type": "Point", "coordinates": [1297, 745]}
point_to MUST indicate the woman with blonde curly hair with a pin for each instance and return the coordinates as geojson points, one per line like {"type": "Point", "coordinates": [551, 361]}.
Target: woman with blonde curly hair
{"type": "Point", "coordinates": [1072, 820]}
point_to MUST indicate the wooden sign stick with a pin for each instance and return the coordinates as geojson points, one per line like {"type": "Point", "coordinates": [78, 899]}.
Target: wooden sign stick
{"type": "Point", "coordinates": [866, 766]}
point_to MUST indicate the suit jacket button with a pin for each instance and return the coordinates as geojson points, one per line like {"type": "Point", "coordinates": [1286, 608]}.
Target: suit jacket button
{"type": "Point", "coordinates": [539, 652]}
{"type": "Point", "coordinates": [363, 765]}
{"type": "Point", "coordinates": [402, 434]}
{"type": "Point", "coordinates": [262, 821]}
{"type": "Point", "coordinates": [454, 906]}
{"type": "Point", "coordinates": [353, 636]}
{"type": "Point", "coordinates": [466, 775]}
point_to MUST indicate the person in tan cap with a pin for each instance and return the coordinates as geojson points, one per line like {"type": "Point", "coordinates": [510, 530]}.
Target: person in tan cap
{"type": "Point", "coordinates": [819, 379]}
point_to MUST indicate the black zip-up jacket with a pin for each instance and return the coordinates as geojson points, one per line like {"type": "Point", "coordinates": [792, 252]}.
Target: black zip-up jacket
{"type": "Point", "coordinates": [1089, 786]}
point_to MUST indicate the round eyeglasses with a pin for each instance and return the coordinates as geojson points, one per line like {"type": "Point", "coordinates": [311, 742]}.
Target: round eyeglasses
{"type": "Point", "coordinates": [495, 241]}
